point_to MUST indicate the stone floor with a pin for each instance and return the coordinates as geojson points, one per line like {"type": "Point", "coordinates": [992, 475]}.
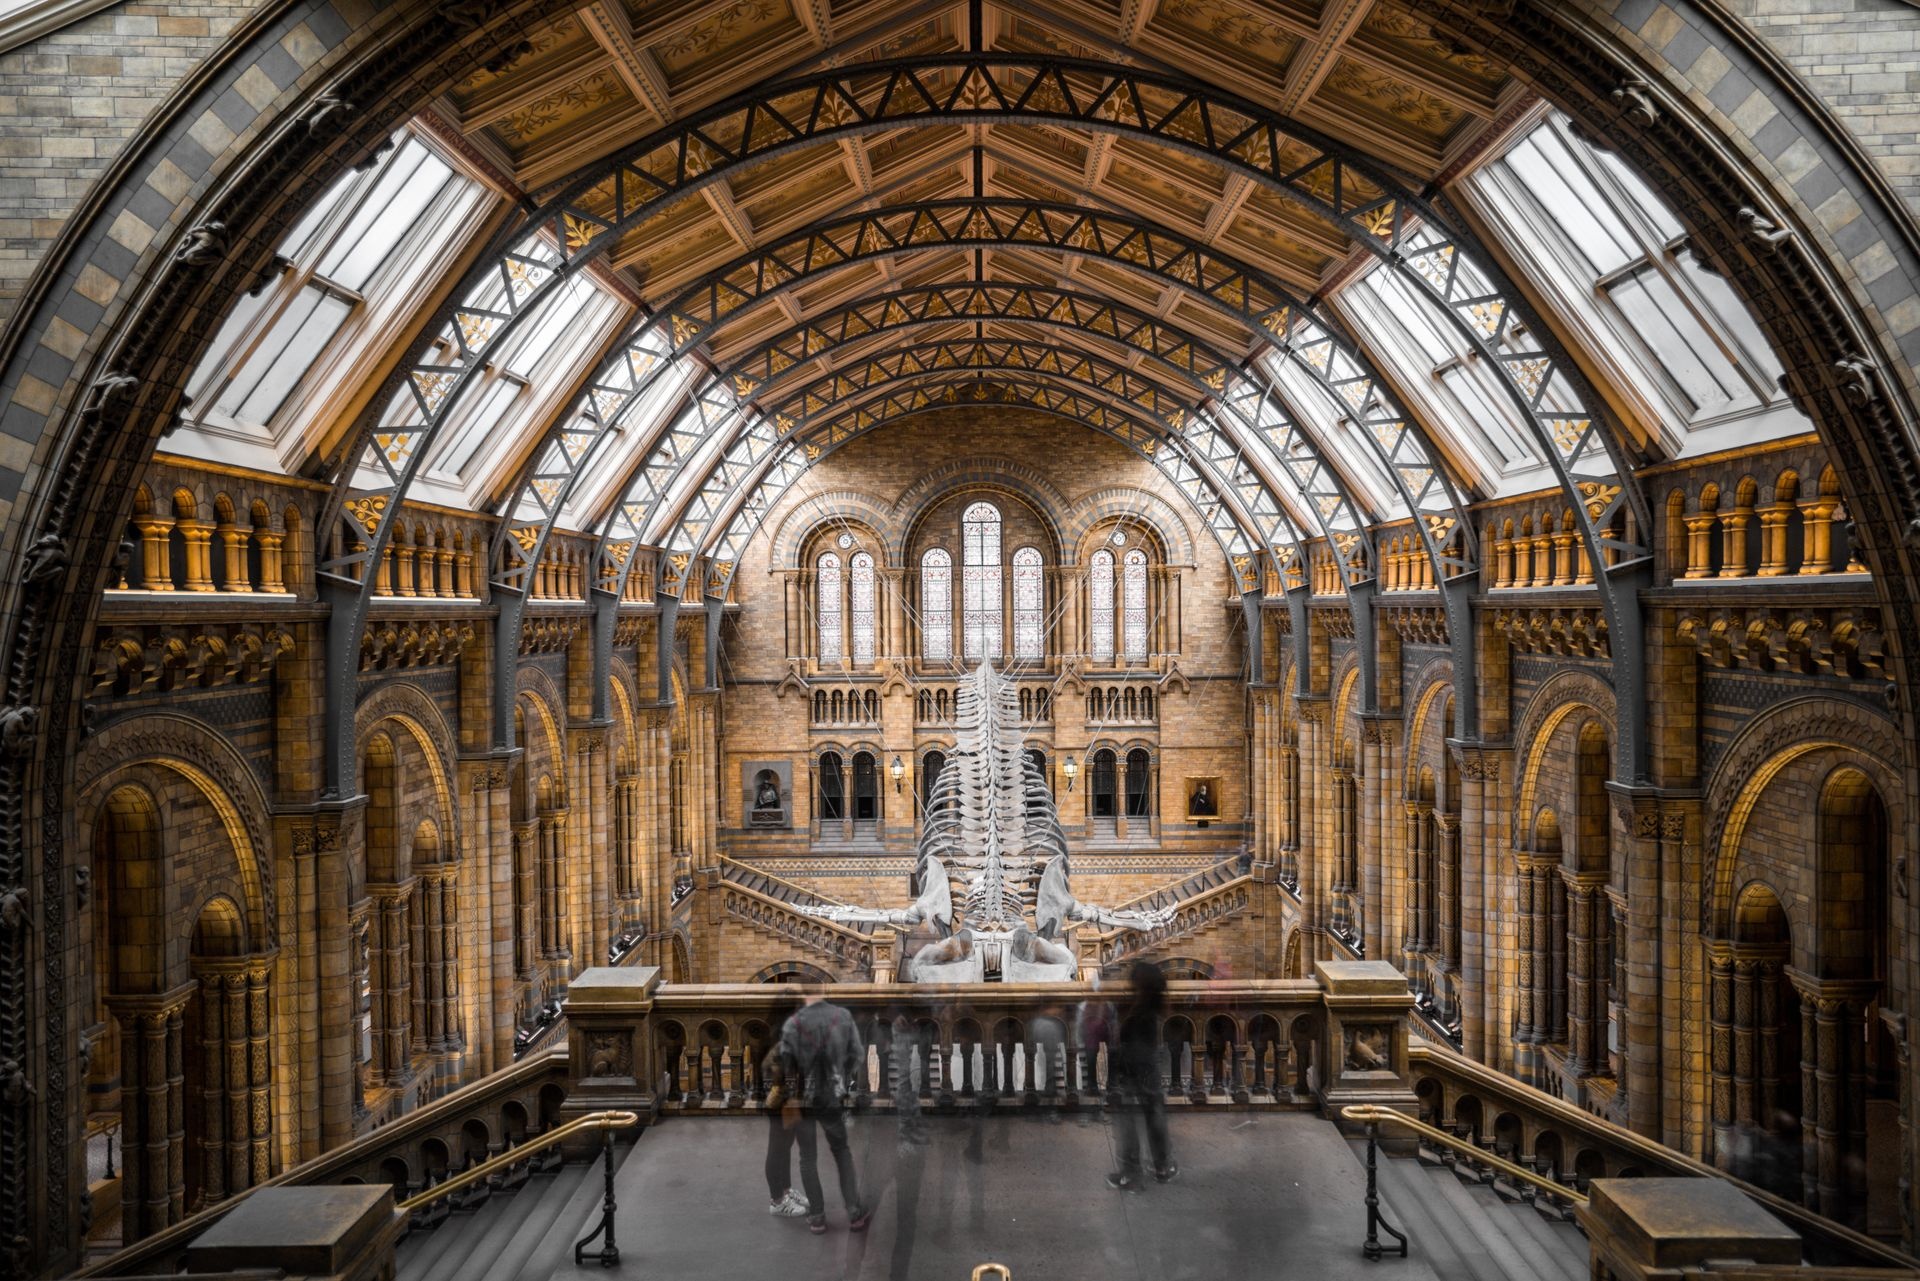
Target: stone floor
{"type": "Point", "coordinates": [1259, 1195]}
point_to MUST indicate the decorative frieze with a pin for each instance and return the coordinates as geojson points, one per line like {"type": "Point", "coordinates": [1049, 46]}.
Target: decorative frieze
{"type": "Point", "coordinates": [162, 657]}
{"type": "Point", "coordinates": [1845, 641]}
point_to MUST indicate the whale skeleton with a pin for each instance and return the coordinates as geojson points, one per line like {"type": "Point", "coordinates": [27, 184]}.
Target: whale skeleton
{"type": "Point", "coordinates": [992, 851]}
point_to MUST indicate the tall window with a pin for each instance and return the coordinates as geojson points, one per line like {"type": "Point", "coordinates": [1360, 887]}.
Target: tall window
{"type": "Point", "coordinates": [980, 606]}
{"type": "Point", "coordinates": [936, 605]}
{"type": "Point", "coordinates": [1029, 605]}
{"type": "Point", "coordinates": [827, 590]}
{"type": "Point", "coordinates": [1133, 603]}
{"type": "Point", "coordinates": [1100, 606]}
{"type": "Point", "coordinates": [861, 573]}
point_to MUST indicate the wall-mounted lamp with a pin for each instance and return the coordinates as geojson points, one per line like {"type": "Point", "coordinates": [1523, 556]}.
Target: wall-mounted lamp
{"type": "Point", "coordinates": [1071, 768]}
{"type": "Point", "coordinates": [899, 771]}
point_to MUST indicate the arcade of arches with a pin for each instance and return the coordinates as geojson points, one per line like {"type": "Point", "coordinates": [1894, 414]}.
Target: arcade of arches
{"type": "Point", "coordinates": [499, 487]}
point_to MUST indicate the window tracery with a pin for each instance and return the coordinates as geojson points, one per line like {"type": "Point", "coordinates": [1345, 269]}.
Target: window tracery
{"type": "Point", "coordinates": [980, 564]}
{"type": "Point", "coordinates": [1029, 605]}
{"type": "Point", "coordinates": [827, 590]}
{"type": "Point", "coordinates": [936, 605]}
{"type": "Point", "coordinates": [861, 577]}
{"type": "Point", "coordinates": [1133, 588]}
{"type": "Point", "coordinates": [1100, 606]}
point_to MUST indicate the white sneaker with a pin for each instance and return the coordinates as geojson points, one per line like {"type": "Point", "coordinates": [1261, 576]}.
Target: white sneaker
{"type": "Point", "coordinates": [788, 1207]}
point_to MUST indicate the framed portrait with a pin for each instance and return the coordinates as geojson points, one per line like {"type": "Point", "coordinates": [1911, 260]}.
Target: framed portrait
{"type": "Point", "coordinates": [1203, 798]}
{"type": "Point", "coordinates": [767, 793]}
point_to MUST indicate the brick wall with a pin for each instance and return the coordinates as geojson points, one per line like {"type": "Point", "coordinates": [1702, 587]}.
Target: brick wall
{"type": "Point", "coordinates": [70, 100]}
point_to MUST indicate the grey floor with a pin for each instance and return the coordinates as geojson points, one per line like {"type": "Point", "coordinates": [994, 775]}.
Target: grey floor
{"type": "Point", "coordinates": [1259, 1195]}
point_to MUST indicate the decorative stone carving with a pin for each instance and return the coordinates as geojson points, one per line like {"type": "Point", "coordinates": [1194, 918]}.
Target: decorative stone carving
{"type": "Point", "coordinates": [1815, 642]}
{"type": "Point", "coordinates": [1858, 379]}
{"type": "Point", "coordinates": [1635, 101]}
{"type": "Point", "coordinates": [205, 245]}
{"type": "Point", "coordinates": [1763, 233]}
{"type": "Point", "coordinates": [329, 115]}
{"type": "Point", "coordinates": [13, 911]}
{"type": "Point", "coordinates": [16, 730]}
{"type": "Point", "coordinates": [269, 272]}
{"type": "Point", "coordinates": [47, 560]}
{"type": "Point", "coordinates": [372, 158]}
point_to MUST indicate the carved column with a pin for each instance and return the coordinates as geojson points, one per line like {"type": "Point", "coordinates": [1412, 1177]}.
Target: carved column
{"type": "Point", "coordinates": [1720, 1054]}
{"type": "Point", "coordinates": [390, 977]}
{"type": "Point", "coordinates": [1833, 1096]}
{"type": "Point", "coordinates": [272, 560]}
{"type": "Point", "coordinates": [1700, 529]}
{"type": "Point", "coordinates": [1584, 900]}
{"type": "Point", "coordinates": [1443, 836]}
{"type": "Point", "coordinates": [1525, 1024]}
{"type": "Point", "coordinates": [1371, 839]}
{"type": "Point", "coordinates": [1420, 876]}
{"type": "Point", "coordinates": [198, 536]}
{"type": "Point", "coordinates": [153, 1109]}
{"type": "Point", "coordinates": [1773, 539]}
{"type": "Point", "coordinates": [1816, 556]}
{"type": "Point", "coordinates": [156, 552]}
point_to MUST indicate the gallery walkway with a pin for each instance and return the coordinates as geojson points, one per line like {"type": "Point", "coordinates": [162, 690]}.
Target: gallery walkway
{"type": "Point", "coordinates": [1259, 1194]}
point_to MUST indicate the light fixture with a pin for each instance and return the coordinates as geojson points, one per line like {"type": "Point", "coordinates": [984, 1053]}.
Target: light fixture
{"type": "Point", "coordinates": [1070, 768]}
{"type": "Point", "coordinates": [899, 771]}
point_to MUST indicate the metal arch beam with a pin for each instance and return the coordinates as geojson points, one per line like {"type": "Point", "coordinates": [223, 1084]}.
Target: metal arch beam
{"type": "Point", "coordinates": [627, 521]}
{"type": "Point", "coordinates": [1178, 353]}
{"type": "Point", "coordinates": [1226, 284]}
{"type": "Point", "coordinates": [399, 428]}
{"type": "Point", "coordinates": [1214, 376]}
{"type": "Point", "coordinates": [973, 360]}
{"type": "Point", "coordinates": [1066, 392]}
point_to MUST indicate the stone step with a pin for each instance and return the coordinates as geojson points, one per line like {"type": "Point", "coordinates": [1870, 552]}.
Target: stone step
{"type": "Point", "coordinates": [573, 1218]}
{"type": "Point", "coordinates": [1468, 1231]}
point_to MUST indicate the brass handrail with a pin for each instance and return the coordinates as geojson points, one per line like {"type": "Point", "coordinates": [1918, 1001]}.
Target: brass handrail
{"type": "Point", "coordinates": [1374, 1113]}
{"type": "Point", "coordinates": [611, 1120]}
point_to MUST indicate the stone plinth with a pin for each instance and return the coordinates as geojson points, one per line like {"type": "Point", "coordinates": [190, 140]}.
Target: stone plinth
{"type": "Point", "coordinates": [1641, 1229]}
{"type": "Point", "coordinates": [610, 1044]}
{"type": "Point", "coordinates": [344, 1231]}
{"type": "Point", "coordinates": [1363, 1053]}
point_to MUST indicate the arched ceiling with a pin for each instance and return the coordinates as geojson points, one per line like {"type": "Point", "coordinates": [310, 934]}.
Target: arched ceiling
{"type": "Point", "coordinates": [798, 189]}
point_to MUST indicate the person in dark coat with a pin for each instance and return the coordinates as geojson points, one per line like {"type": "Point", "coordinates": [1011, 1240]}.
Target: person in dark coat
{"type": "Point", "coordinates": [1142, 1087]}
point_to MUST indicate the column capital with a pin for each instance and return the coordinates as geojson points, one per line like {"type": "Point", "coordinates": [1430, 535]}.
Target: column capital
{"type": "Point", "coordinates": [1836, 992]}
{"type": "Point", "coordinates": [135, 1007]}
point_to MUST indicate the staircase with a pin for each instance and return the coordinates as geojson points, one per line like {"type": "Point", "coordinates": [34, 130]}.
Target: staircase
{"type": "Point", "coordinates": [1467, 1230]}
{"type": "Point", "coordinates": [782, 891]}
{"type": "Point", "coordinates": [524, 1235]}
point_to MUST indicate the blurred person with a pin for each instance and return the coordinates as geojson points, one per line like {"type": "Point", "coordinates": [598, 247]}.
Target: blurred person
{"type": "Point", "coordinates": [823, 1058]}
{"type": "Point", "coordinates": [1137, 1072]}
{"type": "Point", "coordinates": [782, 1131]}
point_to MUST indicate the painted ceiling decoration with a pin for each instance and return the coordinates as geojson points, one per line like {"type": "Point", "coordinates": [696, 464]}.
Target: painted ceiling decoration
{"type": "Point", "coordinates": [1161, 194]}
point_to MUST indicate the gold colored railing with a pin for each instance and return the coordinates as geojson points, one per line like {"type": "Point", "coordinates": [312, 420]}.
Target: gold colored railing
{"type": "Point", "coordinates": [1374, 1115]}
{"type": "Point", "coordinates": [514, 1156]}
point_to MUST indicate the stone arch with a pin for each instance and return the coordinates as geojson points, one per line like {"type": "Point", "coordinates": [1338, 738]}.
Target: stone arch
{"type": "Point", "coordinates": [1137, 506]}
{"type": "Point", "coordinates": [1768, 744]}
{"type": "Point", "coordinates": [187, 747]}
{"type": "Point", "coordinates": [1563, 695]}
{"type": "Point", "coordinates": [409, 707]}
{"type": "Point", "coordinates": [983, 473]}
{"type": "Point", "coordinates": [798, 525]}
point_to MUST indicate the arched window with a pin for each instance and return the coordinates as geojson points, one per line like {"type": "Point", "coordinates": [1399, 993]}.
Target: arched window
{"type": "Point", "coordinates": [862, 580]}
{"type": "Point", "coordinates": [827, 589]}
{"type": "Point", "coordinates": [1039, 761]}
{"type": "Point", "coordinates": [1029, 605]}
{"type": "Point", "coordinates": [980, 602]}
{"type": "Point", "coordinates": [866, 788]}
{"type": "Point", "coordinates": [1104, 783]}
{"type": "Point", "coordinates": [1100, 605]}
{"type": "Point", "coordinates": [936, 605]}
{"type": "Point", "coordinates": [930, 766]}
{"type": "Point", "coordinates": [1139, 778]}
{"type": "Point", "coordinates": [833, 789]}
{"type": "Point", "coordinates": [1133, 602]}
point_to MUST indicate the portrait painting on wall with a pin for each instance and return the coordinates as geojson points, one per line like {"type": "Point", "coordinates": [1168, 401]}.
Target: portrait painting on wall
{"type": "Point", "coordinates": [1203, 798]}
{"type": "Point", "coordinates": [768, 793]}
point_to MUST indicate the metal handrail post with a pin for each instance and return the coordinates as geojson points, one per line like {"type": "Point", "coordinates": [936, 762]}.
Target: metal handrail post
{"type": "Point", "coordinates": [1373, 1251]}
{"type": "Point", "coordinates": [609, 1252]}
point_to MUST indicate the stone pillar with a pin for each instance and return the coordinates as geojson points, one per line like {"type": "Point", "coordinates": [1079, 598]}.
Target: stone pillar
{"type": "Point", "coordinates": [1120, 799]}
{"type": "Point", "coordinates": [1367, 849]}
{"type": "Point", "coordinates": [1363, 1054]}
{"type": "Point", "coordinates": [1525, 1021]}
{"type": "Point", "coordinates": [198, 535]}
{"type": "Point", "coordinates": [1315, 848]}
{"type": "Point", "coordinates": [389, 939]}
{"type": "Point", "coordinates": [152, 1109]}
{"type": "Point", "coordinates": [1585, 898]}
{"type": "Point", "coordinates": [612, 1057]}
{"type": "Point", "coordinates": [1420, 881]}
{"type": "Point", "coordinates": [272, 560]}
{"type": "Point", "coordinates": [156, 552]}
{"type": "Point", "coordinates": [1833, 1100]}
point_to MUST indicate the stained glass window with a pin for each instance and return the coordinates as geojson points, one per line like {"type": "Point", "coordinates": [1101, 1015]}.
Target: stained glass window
{"type": "Point", "coordinates": [980, 603]}
{"type": "Point", "coordinates": [1029, 605]}
{"type": "Point", "coordinates": [936, 605]}
{"type": "Point", "coordinates": [1133, 601]}
{"type": "Point", "coordinates": [861, 574]}
{"type": "Point", "coordinates": [1100, 606]}
{"type": "Point", "coordinates": [827, 589]}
